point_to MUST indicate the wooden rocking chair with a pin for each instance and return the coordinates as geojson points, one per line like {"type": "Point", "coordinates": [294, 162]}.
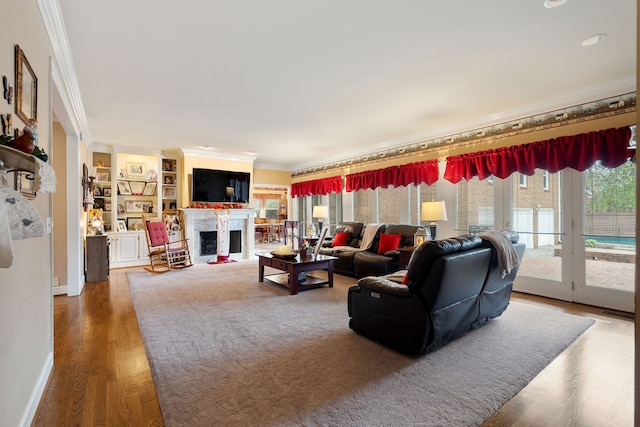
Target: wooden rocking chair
{"type": "Point", "coordinates": [164, 254]}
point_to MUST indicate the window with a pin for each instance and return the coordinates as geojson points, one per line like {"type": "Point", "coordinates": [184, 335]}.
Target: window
{"type": "Point", "coordinates": [545, 181]}
{"type": "Point", "coordinates": [523, 180]}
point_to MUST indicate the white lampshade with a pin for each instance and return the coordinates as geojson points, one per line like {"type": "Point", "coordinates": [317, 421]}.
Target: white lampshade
{"type": "Point", "coordinates": [434, 211]}
{"type": "Point", "coordinates": [320, 211]}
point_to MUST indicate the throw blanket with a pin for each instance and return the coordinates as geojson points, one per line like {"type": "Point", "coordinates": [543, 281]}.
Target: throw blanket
{"type": "Point", "coordinates": [368, 236]}
{"type": "Point", "coordinates": [223, 237]}
{"type": "Point", "coordinates": [45, 177]}
{"type": "Point", "coordinates": [507, 255]}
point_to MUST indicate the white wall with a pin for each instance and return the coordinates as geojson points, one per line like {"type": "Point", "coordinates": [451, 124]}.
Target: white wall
{"type": "Point", "coordinates": [26, 315]}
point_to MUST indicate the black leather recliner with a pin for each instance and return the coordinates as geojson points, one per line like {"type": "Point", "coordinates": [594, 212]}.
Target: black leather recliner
{"type": "Point", "coordinates": [453, 286]}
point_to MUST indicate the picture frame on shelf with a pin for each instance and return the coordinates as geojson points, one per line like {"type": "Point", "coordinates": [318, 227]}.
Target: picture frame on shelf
{"type": "Point", "coordinates": [124, 188]}
{"type": "Point", "coordinates": [168, 180]}
{"type": "Point", "coordinates": [123, 173]}
{"type": "Point", "coordinates": [137, 187]}
{"type": "Point", "coordinates": [122, 225]}
{"type": "Point", "coordinates": [150, 189]}
{"type": "Point", "coordinates": [26, 89]}
{"type": "Point", "coordinates": [107, 207]}
{"type": "Point", "coordinates": [106, 191]}
{"type": "Point", "coordinates": [166, 165]}
{"type": "Point", "coordinates": [120, 208]}
{"type": "Point", "coordinates": [134, 223]}
{"type": "Point", "coordinates": [169, 192]}
{"type": "Point", "coordinates": [102, 177]}
{"type": "Point", "coordinates": [138, 206]}
{"type": "Point", "coordinates": [97, 191]}
{"type": "Point", "coordinates": [136, 169]}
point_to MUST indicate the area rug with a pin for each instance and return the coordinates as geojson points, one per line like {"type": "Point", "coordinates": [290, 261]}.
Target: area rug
{"type": "Point", "coordinates": [227, 350]}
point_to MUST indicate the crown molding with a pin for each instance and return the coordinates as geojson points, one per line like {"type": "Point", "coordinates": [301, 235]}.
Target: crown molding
{"type": "Point", "coordinates": [619, 104]}
{"type": "Point", "coordinates": [65, 75]}
{"type": "Point", "coordinates": [188, 152]}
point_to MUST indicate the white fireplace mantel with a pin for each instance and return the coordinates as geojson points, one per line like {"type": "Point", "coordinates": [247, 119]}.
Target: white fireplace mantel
{"type": "Point", "coordinates": [197, 220]}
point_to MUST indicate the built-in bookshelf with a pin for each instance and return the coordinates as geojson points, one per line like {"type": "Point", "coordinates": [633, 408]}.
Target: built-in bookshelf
{"type": "Point", "coordinates": [102, 192]}
{"type": "Point", "coordinates": [169, 183]}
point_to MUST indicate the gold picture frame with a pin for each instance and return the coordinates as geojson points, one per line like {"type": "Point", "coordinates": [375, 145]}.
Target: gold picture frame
{"type": "Point", "coordinates": [26, 89]}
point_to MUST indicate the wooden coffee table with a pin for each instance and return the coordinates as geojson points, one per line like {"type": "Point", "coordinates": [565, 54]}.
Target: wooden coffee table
{"type": "Point", "coordinates": [293, 268]}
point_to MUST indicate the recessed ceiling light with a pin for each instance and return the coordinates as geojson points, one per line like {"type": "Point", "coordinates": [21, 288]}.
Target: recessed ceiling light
{"type": "Point", "coordinates": [590, 41]}
{"type": "Point", "coordinates": [550, 4]}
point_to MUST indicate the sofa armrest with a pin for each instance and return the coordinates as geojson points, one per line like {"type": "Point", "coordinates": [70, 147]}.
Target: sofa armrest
{"type": "Point", "coordinates": [381, 284]}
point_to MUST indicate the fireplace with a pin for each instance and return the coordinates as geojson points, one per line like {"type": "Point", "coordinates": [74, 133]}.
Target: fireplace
{"type": "Point", "coordinates": [209, 242]}
{"type": "Point", "coordinates": [201, 223]}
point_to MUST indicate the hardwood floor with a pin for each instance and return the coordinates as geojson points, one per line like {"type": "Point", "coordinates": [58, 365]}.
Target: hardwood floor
{"type": "Point", "coordinates": [101, 376]}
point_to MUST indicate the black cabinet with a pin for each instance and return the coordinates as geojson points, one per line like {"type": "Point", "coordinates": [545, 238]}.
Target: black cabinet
{"type": "Point", "coordinates": [97, 258]}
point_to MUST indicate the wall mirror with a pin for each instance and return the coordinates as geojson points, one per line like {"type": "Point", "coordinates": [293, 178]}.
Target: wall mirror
{"type": "Point", "coordinates": [26, 90]}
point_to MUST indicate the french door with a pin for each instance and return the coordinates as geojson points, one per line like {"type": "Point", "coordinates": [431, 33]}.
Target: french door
{"type": "Point", "coordinates": [579, 228]}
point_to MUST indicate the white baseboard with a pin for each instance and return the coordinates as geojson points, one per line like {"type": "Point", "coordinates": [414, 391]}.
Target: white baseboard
{"type": "Point", "coordinates": [60, 290]}
{"type": "Point", "coordinates": [38, 390]}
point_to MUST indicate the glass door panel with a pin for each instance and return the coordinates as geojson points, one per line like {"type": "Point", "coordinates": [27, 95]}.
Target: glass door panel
{"type": "Point", "coordinates": [476, 201]}
{"type": "Point", "coordinates": [537, 217]}
{"type": "Point", "coordinates": [609, 221]}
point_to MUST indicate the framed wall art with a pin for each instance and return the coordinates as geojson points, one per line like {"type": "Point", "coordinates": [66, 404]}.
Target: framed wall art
{"type": "Point", "coordinates": [137, 187]}
{"type": "Point", "coordinates": [26, 89]}
{"type": "Point", "coordinates": [122, 225]}
{"type": "Point", "coordinates": [138, 206]}
{"type": "Point", "coordinates": [169, 192]}
{"type": "Point", "coordinates": [136, 169]}
{"type": "Point", "coordinates": [134, 224]}
{"type": "Point", "coordinates": [124, 188]}
{"type": "Point", "coordinates": [150, 189]}
{"type": "Point", "coordinates": [24, 183]}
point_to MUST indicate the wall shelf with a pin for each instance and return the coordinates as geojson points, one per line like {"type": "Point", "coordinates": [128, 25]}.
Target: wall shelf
{"type": "Point", "coordinates": [16, 160]}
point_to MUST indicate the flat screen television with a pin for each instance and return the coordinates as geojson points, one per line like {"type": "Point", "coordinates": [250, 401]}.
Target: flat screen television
{"type": "Point", "coordinates": [212, 185]}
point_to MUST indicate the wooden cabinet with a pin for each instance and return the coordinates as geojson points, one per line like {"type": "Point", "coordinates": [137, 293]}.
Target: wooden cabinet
{"type": "Point", "coordinates": [97, 258]}
{"type": "Point", "coordinates": [129, 249]}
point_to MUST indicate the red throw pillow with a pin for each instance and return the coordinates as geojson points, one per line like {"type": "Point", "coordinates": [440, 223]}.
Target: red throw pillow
{"type": "Point", "coordinates": [389, 242]}
{"type": "Point", "coordinates": [341, 238]}
{"type": "Point", "coordinates": [405, 281]}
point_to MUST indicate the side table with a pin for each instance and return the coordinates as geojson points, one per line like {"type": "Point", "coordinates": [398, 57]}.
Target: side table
{"type": "Point", "coordinates": [97, 258]}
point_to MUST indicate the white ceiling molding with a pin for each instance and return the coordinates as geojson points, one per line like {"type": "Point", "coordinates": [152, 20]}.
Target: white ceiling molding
{"type": "Point", "coordinates": [217, 155]}
{"type": "Point", "coordinates": [64, 72]}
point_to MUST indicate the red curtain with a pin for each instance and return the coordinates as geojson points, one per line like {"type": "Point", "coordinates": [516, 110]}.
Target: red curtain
{"type": "Point", "coordinates": [317, 186]}
{"type": "Point", "coordinates": [396, 176]}
{"type": "Point", "coordinates": [578, 152]}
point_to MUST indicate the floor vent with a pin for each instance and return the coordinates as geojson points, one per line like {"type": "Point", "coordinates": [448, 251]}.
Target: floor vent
{"type": "Point", "coordinates": [621, 314]}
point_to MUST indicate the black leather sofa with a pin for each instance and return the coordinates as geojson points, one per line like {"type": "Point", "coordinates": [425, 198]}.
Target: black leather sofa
{"type": "Point", "coordinates": [454, 285]}
{"type": "Point", "coordinates": [368, 262]}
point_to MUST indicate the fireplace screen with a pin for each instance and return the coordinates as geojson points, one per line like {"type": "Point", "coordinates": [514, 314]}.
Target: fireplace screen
{"type": "Point", "coordinates": [209, 242]}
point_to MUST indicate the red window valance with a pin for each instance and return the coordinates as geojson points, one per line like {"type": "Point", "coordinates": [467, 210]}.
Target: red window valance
{"type": "Point", "coordinates": [578, 152]}
{"type": "Point", "coordinates": [396, 176]}
{"type": "Point", "coordinates": [317, 186]}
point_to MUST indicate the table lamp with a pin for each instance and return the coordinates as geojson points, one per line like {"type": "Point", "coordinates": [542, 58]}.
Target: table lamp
{"type": "Point", "coordinates": [320, 212]}
{"type": "Point", "coordinates": [433, 211]}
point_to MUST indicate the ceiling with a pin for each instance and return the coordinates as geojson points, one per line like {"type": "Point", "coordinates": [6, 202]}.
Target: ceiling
{"type": "Point", "coordinates": [300, 83]}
